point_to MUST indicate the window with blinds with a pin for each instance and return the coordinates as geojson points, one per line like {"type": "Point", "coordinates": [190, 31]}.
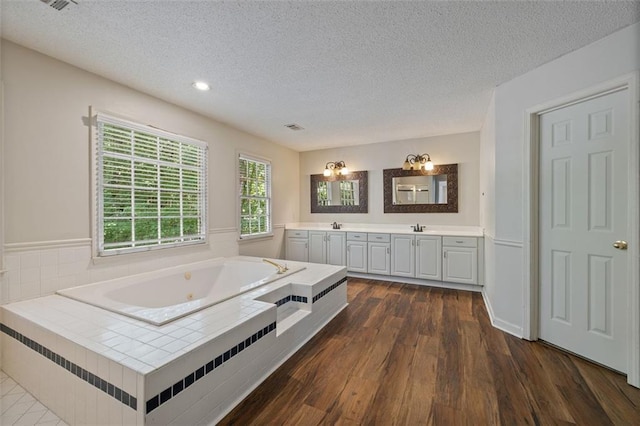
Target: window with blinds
{"type": "Point", "coordinates": [255, 196]}
{"type": "Point", "coordinates": [347, 193]}
{"type": "Point", "coordinates": [151, 188]}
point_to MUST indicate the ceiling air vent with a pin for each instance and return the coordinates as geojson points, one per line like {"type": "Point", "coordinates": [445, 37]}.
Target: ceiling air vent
{"type": "Point", "coordinates": [58, 4]}
{"type": "Point", "coordinates": [294, 127]}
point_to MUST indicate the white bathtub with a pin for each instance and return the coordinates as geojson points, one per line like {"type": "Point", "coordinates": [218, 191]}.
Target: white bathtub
{"type": "Point", "coordinates": [164, 295]}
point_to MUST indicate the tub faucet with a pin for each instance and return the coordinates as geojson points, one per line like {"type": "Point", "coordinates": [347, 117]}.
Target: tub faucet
{"type": "Point", "coordinates": [281, 269]}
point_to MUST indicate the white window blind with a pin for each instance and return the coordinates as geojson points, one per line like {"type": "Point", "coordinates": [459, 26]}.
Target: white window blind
{"type": "Point", "coordinates": [255, 196]}
{"type": "Point", "coordinates": [152, 188]}
{"type": "Point", "coordinates": [347, 193]}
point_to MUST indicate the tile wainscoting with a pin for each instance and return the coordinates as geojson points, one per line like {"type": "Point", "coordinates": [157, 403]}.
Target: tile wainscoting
{"type": "Point", "coordinates": [41, 269]}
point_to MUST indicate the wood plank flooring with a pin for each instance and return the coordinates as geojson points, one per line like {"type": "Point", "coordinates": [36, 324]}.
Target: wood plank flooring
{"type": "Point", "coordinates": [411, 355]}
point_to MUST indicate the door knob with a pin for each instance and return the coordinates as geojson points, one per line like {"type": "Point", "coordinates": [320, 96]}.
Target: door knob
{"type": "Point", "coordinates": [620, 245]}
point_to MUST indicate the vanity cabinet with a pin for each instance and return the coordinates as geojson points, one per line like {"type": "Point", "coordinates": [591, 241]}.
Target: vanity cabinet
{"type": "Point", "coordinates": [336, 248]}
{"type": "Point", "coordinates": [327, 247]}
{"type": "Point", "coordinates": [317, 247]}
{"type": "Point", "coordinates": [379, 254]}
{"type": "Point", "coordinates": [297, 245]}
{"type": "Point", "coordinates": [412, 255]}
{"type": "Point", "coordinates": [416, 256]}
{"type": "Point", "coordinates": [429, 257]}
{"type": "Point", "coordinates": [403, 258]}
{"type": "Point", "coordinates": [460, 260]}
{"type": "Point", "coordinates": [357, 252]}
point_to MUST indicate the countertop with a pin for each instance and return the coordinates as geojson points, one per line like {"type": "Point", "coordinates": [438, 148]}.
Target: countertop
{"type": "Point", "coordinates": [443, 230]}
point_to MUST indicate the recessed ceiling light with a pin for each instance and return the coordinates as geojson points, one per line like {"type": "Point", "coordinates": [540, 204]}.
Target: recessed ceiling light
{"type": "Point", "coordinates": [201, 85]}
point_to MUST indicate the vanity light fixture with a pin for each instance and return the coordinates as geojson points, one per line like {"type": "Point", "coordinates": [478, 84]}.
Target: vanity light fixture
{"type": "Point", "coordinates": [417, 162]}
{"type": "Point", "coordinates": [336, 168]}
{"type": "Point", "coordinates": [201, 85]}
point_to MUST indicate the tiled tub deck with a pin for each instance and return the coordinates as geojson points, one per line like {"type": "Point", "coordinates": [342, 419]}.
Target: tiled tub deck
{"type": "Point", "coordinates": [89, 365]}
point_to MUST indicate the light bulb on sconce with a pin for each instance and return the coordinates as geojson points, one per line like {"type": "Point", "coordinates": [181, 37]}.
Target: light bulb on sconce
{"type": "Point", "coordinates": [335, 168]}
{"type": "Point", "coordinates": [417, 162]}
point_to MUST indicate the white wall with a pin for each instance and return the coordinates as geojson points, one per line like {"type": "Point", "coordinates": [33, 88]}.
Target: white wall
{"type": "Point", "coordinates": [605, 59]}
{"type": "Point", "coordinates": [487, 199]}
{"type": "Point", "coordinates": [47, 174]}
{"type": "Point", "coordinates": [462, 148]}
{"type": "Point", "coordinates": [487, 171]}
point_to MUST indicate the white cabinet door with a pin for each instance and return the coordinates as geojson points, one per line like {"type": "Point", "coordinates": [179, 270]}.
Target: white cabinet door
{"type": "Point", "coordinates": [429, 257]}
{"type": "Point", "coordinates": [317, 247]}
{"type": "Point", "coordinates": [336, 248]}
{"type": "Point", "coordinates": [297, 249]}
{"type": "Point", "coordinates": [357, 256]}
{"type": "Point", "coordinates": [403, 255]}
{"type": "Point", "coordinates": [460, 265]}
{"type": "Point", "coordinates": [379, 258]}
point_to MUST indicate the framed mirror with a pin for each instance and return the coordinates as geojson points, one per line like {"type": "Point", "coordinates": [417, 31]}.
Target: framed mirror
{"type": "Point", "coordinates": [340, 194]}
{"type": "Point", "coordinates": [419, 191]}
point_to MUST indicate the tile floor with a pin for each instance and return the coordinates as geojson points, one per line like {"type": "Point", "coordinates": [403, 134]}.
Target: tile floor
{"type": "Point", "coordinates": [19, 407]}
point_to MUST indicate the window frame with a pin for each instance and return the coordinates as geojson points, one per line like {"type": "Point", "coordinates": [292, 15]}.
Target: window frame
{"type": "Point", "coordinates": [347, 195]}
{"type": "Point", "coordinates": [98, 216]}
{"type": "Point", "coordinates": [269, 198]}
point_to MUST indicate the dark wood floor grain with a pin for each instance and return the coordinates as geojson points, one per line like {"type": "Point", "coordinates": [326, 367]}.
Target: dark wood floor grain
{"type": "Point", "coordinates": [411, 355]}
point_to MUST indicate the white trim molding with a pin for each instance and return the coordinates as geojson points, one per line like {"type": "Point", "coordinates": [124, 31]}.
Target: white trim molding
{"type": "Point", "coordinates": [498, 323]}
{"type": "Point", "coordinates": [508, 243]}
{"type": "Point", "coordinates": [531, 302]}
{"type": "Point", "coordinates": [42, 245]}
{"type": "Point", "coordinates": [222, 230]}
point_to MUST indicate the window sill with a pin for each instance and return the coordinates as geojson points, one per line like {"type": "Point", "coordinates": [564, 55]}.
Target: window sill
{"type": "Point", "coordinates": [156, 253]}
{"type": "Point", "coordinates": [254, 238]}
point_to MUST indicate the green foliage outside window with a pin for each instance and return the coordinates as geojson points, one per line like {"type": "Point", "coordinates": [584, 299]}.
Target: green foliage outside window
{"type": "Point", "coordinates": [151, 189]}
{"type": "Point", "coordinates": [255, 197]}
{"type": "Point", "coordinates": [347, 193]}
{"type": "Point", "coordinates": [323, 194]}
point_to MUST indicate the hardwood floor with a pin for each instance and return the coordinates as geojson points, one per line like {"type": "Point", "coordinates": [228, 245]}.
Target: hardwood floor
{"type": "Point", "coordinates": [411, 355]}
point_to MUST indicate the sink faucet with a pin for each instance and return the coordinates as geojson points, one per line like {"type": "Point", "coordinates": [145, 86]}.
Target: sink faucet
{"type": "Point", "coordinates": [281, 269]}
{"type": "Point", "coordinates": [336, 225]}
{"type": "Point", "coordinates": [417, 228]}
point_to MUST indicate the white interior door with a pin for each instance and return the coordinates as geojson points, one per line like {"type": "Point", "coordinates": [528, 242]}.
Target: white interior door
{"type": "Point", "coordinates": [584, 150]}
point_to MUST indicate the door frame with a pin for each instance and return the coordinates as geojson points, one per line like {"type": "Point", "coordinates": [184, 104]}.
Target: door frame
{"type": "Point", "coordinates": [531, 167]}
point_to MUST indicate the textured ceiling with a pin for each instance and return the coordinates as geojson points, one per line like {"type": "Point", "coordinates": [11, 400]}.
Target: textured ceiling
{"type": "Point", "coordinates": [348, 72]}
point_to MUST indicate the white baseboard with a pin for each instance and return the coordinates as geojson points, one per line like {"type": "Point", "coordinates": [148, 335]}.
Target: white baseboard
{"type": "Point", "coordinates": [417, 281]}
{"type": "Point", "coordinates": [505, 326]}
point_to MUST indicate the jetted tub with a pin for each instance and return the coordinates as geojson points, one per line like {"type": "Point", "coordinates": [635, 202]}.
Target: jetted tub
{"type": "Point", "coordinates": [164, 295]}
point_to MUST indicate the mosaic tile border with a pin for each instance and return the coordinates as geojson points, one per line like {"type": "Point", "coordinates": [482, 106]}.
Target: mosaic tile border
{"type": "Point", "coordinates": [291, 298]}
{"type": "Point", "coordinates": [327, 290]}
{"type": "Point", "coordinates": [96, 381]}
{"type": "Point", "coordinates": [202, 371]}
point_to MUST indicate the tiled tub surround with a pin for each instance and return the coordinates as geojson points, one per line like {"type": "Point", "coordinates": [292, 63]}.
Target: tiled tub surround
{"type": "Point", "coordinates": [160, 297]}
{"type": "Point", "coordinates": [90, 365]}
{"type": "Point", "coordinates": [42, 268]}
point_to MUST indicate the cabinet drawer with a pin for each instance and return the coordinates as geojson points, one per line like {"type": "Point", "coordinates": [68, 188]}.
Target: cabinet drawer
{"type": "Point", "coordinates": [381, 238]}
{"type": "Point", "coordinates": [460, 241]}
{"type": "Point", "coordinates": [293, 233]}
{"type": "Point", "coordinates": [357, 236]}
